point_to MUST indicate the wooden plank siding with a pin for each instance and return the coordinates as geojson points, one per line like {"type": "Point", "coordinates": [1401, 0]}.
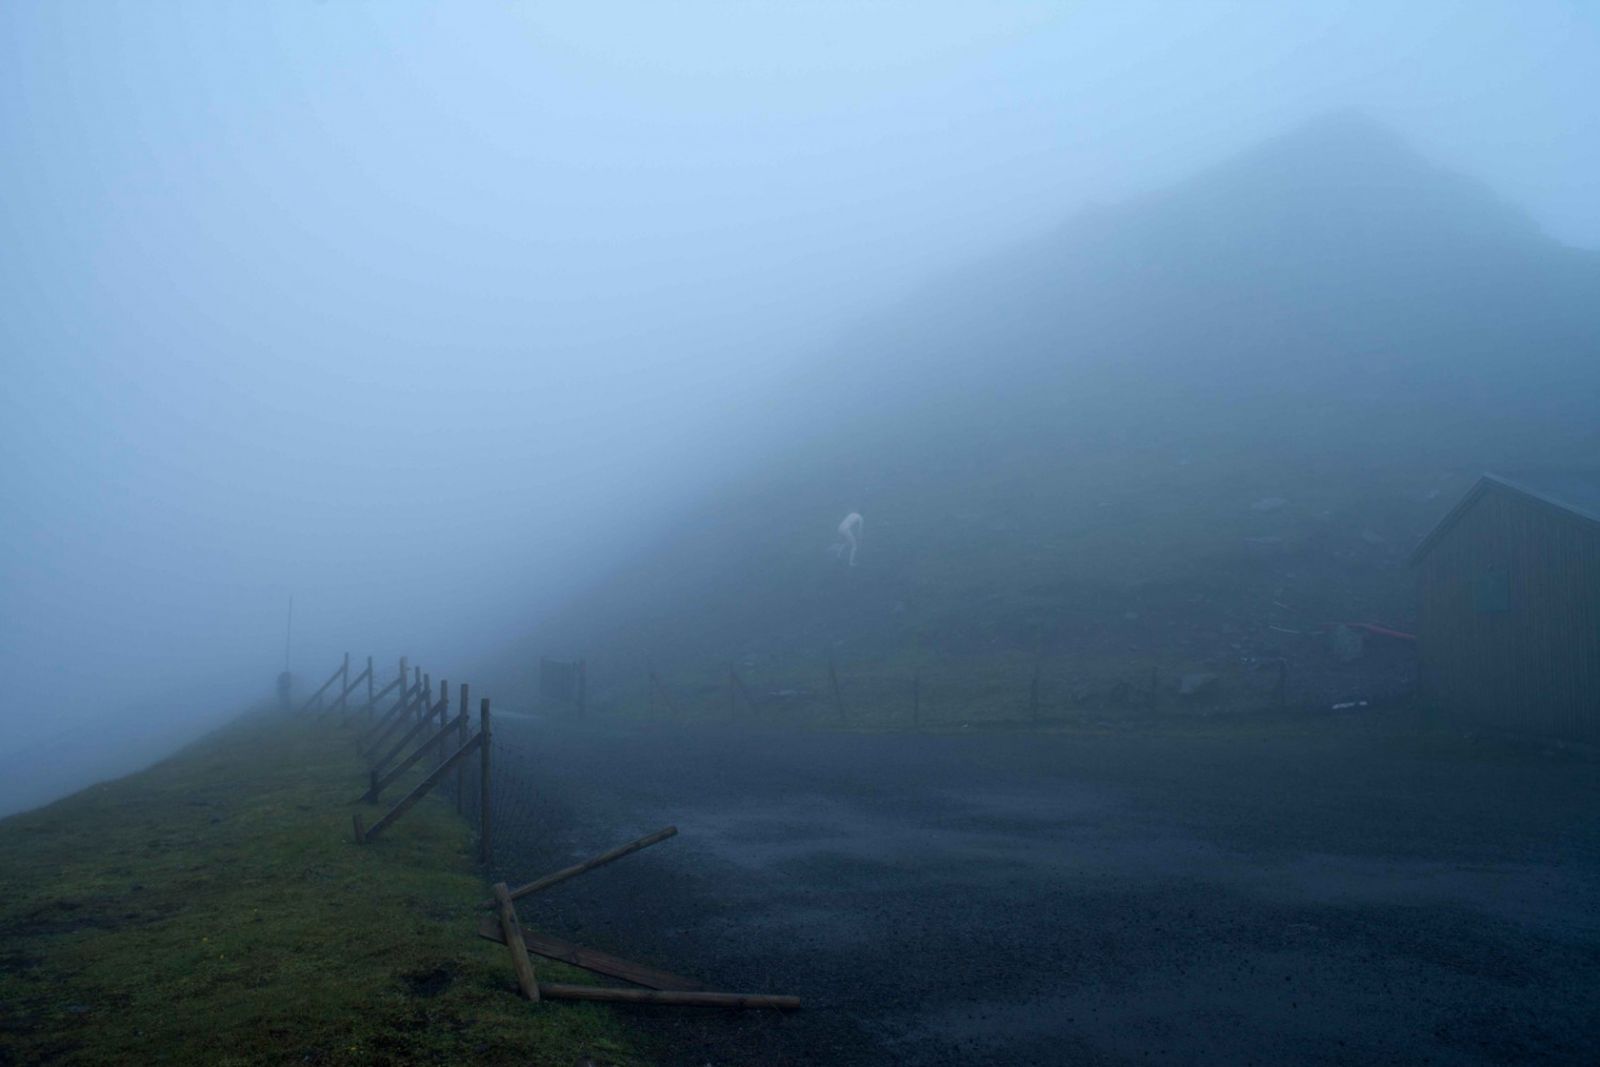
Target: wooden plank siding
{"type": "Point", "coordinates": [1535, 666]}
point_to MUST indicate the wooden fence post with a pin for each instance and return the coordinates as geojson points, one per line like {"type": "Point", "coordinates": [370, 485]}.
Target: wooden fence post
{"type": "Point", "coordinates": [461, 739]}
{"type": "Point", "coordinates": [486, 829]}
{"type": "Point", "coordinates": [519, 949]}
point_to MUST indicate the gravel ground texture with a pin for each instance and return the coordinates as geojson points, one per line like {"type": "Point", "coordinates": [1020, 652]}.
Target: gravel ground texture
{"type": "Point", "coordinates": [1350, 889]}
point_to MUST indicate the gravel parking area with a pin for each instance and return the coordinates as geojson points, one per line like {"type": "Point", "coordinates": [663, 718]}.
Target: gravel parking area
{"type": "Point", "coordinates": [1348, 890]}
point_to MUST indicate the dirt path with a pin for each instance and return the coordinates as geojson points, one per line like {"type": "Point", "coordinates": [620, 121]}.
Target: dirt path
{"type": "Point", "coordinates": [1331, 895]}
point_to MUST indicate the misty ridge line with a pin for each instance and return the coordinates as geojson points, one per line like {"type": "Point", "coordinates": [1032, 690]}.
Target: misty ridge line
{"type": "Point", "coordinates": [940, 375]}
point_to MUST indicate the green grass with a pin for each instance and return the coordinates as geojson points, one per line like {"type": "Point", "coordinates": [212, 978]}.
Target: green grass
{"type": "Point", "coordinates": [216, 909]}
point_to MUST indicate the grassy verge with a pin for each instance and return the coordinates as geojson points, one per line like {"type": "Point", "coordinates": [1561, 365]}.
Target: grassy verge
{"type": "Point", "coordinates": [216, 909]}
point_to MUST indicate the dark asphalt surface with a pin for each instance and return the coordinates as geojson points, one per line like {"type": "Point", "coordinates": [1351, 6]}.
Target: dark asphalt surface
{"type": "Point", "coordinates": [1339, 893]}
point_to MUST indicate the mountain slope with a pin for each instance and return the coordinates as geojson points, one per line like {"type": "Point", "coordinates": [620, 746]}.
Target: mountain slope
{"type": "Point", "coordinates": [1181, 434]}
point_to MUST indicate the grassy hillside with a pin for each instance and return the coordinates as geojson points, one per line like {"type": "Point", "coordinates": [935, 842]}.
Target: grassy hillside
{"type": "Point", "coordinates": [215, 909]}
{"type": "Point", "coordinates": [1184, 435]}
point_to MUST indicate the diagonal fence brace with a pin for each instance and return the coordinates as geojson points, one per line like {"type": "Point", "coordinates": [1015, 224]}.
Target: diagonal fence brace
{"type": "Point", "coordinates": [380, 784]}
{"type": "Point", "coordinates": [422, 723]}
{"type": "Point", "coordinates": [365, 835]}
{"type": "Point", "coordinates": [590, 864]}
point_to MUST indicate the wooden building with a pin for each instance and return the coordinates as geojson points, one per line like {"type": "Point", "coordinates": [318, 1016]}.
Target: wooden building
{"type": "Point", "coordinates": [1509, 605]}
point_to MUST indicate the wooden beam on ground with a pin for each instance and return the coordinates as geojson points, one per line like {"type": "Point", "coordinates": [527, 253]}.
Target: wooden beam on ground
{"type": "Point", "coordinates": [590, 864]}
{"type": "Point", "coordinates": [380, 784]}
{"type": "Point", "coordinates": [364, 835]}
{"type": "Point", "coordinates": [609, 994]}
{"type": "Point", "coordinates": [511, 931]}
{"type": "Point", "coordinates": [542, 944]}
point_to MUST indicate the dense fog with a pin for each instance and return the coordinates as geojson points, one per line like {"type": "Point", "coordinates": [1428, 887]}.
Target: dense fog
{"type": "Point", "coordinates": [432, 317]}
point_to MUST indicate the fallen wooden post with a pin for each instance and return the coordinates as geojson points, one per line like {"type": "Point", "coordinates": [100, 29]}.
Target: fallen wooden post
{"type": "Point", "coordinates": [511, 930]}
{"type": "Point", "coordinates": [554, 948]}
{"type": "Point", "coordinates": [380, 784]}
{"type": "Point", "coordinates": [363, 835]}
{"type": "Point", "coordinates": [611, 994]}
{"type": "Point", "coordinates": [590, 864]}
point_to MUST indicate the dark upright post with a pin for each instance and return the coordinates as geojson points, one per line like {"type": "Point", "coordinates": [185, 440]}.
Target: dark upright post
{"type": "Point", "coordinates": [486, 829]}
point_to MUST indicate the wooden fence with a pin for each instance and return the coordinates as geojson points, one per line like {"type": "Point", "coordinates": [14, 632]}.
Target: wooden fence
{"type": "Point", "coordinates": [418, 732]}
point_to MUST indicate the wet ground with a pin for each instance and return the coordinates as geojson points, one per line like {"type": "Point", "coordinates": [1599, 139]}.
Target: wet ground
{"type": "Point", "coordinates": [1337, 891]}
